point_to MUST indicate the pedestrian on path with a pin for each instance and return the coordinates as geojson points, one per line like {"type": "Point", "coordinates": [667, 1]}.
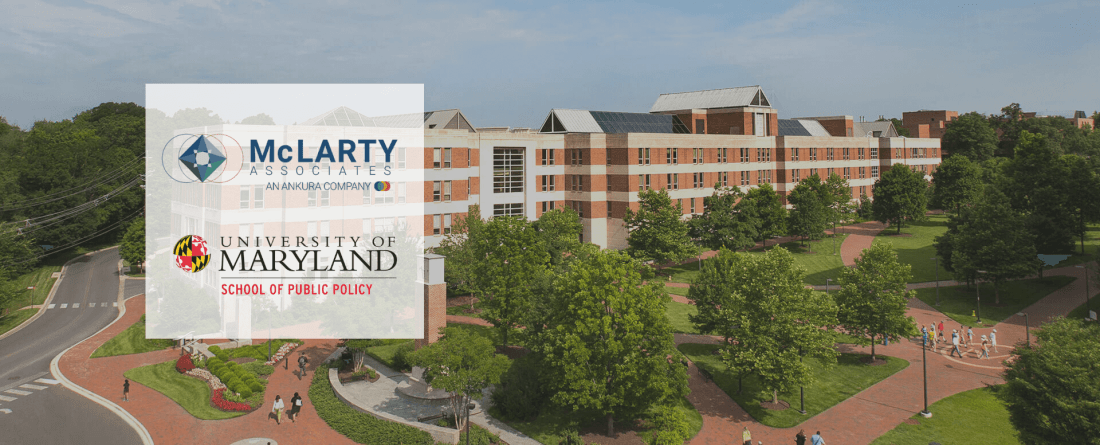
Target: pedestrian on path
{"type": "Point", "coordinates": [969, 336]}
{"type": "Point", "coordinates": [746, 437]}
{"type": "Point", "coordinates": [935, 339]}
{"type": "Point", "coordinates": [985, 348]}
{"type": "Point", "coordinates": [295, 407]}
{"type": "Point", "coordinates": [126, 390]}
{"type": "Point", "coordinates": [816, 439]}
{"type": "Point", "coordinates": [955, 344]}
{"type": "Point", "coordinates": [302, 360]}
{"type": "Point", "coordinates": [277, 409]}
{"type": "Point", "coordinates": [941, 330]}
{"type": "Point", "coordinates": [993, 339]}
{"type": "Point", "coordinates": [800, 438]}
{"type": "Point", "coordinates": [924, 335]}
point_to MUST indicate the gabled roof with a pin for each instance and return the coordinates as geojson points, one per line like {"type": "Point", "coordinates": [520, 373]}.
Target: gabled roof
{"type": "Point", "coordinates": [752, 96]}
{"type": "Point", "coordinates": [879, 129]}
{"type": "Point", "coordinates": [346, 117]}
{"type": "Point", "coordinates": [798, 127]}
{"type": "Point", "coordinates": [583, 121]}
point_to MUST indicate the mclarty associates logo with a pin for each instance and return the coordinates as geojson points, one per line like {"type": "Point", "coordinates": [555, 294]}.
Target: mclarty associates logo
{"type": "Point", "coordinates": [191, 253]}
{"type": "Point", "coordinates": [201, 158]}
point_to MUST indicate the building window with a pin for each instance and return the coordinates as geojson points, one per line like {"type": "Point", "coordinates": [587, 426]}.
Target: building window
{"type": "Point", "coordinates": [507, 170]}
{"type": "Point", "coordinates": [672, 156]}
{"type": "Point", "coordinates": [437, 191]}
{"type": "Point", "coordinates": [794, 154]}
{"type": "Point", "coordinates": [643, 156]}
{"type": "Point", "coordinates": [311, 198]}
{"type": "Point", "coordinates": [577, 207]}
{"type": "Point", "coordinates": [862, 190]}
{"type": "Point", "coordinates": [576, 183]}
{"type": "Point", "coordinates": [366, 196]}
{"type": "Point", "coordinates": [575, 157]}
{"type": "Point", "coordinates": [447, 191]}
{"type": "Point", "coordinates": [813, 154]}
{"type": "Point", "coordinates": [447, 157]}
{"type": "Point", "coordinates": [692, 205]}
{"type": "Point", "coordinates": [829, 156]}
{"type": "Point", "coordinates": [847, 154]}
{"type": "Point", "coordinates": [258, 197]}
{"type": "Point", "coordinates": [874, 171]}
{"type": "Point", "coordinates": [745, 178]}
{"type": "Point", "coordinates": [763, 155]}
{"type": "Point", "coordinates": [548, 184]}
{"type": "Point", "coordinates": [401, 158]}
{"type": "Point", "coordinates": [697, 156]}
{"type": "Point", "coordinates": [862, 153]}
{"type": "Point", "coordinates": [244, 197]}
{"type": "Point", "coordinates": [437, 157]}
{"type": "Point", "coordinates": [862, 172]}
{"type": "Point", "coordinates": [673, 181]}
{"type": "Point", "coordinates": [725, 178]}
{"type": "Point", "coordinates": [723, 155]}
{"type": "Point", "coordinates": [446, 223]}
{"type": "Point", "coordinates": [847, 173]}
{"type": "Point", "coordinates": [874, 153]}
{"type": "Point", "coordinates": [610, 211]}
{"type": "Point", "coordinates": [547, 206]}
{"type": "Point", "coordinates": [744, 155]}
{"type": "Point", "coordinates": [437, 224]}
{"type": "Point", "coordinates": [813, 172]}
{"type": "Point", "coordinates": [509, 209]}
{"type": "Point", "coordinates": [324, 198]}
{"type": "Point", "coordinates": [547, 156]}
{"type": "Point", "coordinates": [897, 153]}
{"type": "Point", "coordinates": [795, 175]}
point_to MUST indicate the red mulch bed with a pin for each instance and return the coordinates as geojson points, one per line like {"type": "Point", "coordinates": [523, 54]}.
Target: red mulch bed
{"type": "Point", "coordinates": [345, 372]}
{"type": "Point", "coordinates": [782, 405]}
{"type": "Point", "coordinates": [461, 301]}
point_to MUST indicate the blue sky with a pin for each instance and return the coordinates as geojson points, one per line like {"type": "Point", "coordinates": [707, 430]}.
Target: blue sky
{"type": "Point", "coordinates": [509, 63]}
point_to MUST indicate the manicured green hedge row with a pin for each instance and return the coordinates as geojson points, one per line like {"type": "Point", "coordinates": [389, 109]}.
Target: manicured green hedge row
{"type": "Point", "coordinates": [357, 426]}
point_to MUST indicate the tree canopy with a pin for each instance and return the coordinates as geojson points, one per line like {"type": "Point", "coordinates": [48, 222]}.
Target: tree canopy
{"type": "Point", "coordinates": [463, 364]}
{"type": "Point", "coordinates": [656, 231]}
{"type": "Point", "coordinates": [872, 299]}
{"type": "Point", "coordinates": [970, 135]}
{"type": "Point", "coordinates": [899, 195]}
{"type": "Point", "coordinates": [808, 217]}
{"type": "Point", "coordinates": [956, 182]}
{"type": "Point", "coordinates": [720, 225]}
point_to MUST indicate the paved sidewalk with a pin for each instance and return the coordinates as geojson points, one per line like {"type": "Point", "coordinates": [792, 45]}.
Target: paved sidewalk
{"type": "Point", "coordinates": [167, 422]}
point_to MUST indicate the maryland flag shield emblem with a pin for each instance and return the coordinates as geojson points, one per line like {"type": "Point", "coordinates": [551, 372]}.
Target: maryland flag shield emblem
{"type": "Point", "coordinates": [191, 253]}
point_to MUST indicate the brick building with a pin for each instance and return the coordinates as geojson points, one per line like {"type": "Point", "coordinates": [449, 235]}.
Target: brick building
{"type": "Point", "coordinates": [927, 123]}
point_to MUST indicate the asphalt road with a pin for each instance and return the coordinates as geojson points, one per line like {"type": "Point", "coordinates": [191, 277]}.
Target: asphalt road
{"type": "Point", "coordinates": [43, 412]}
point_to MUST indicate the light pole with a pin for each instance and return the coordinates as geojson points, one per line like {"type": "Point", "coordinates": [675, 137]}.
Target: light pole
{"type": "Point", "coordinates": [1088, 304]}
{"type": "Point", "coordinates": [924, 358]}
{"type": "Point", "coordinates": [937, 260]}
{"type": "Point", "coordinates": [979, 301]}
{"type": "Point", "coordinates": [1027, 327]}
{"type": "Point", "coordinates": [801, 392]}
{"type": "Point", "coordinates": [827, 281]}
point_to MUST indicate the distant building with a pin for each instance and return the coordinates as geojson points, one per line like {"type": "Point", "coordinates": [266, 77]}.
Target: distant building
{"type": "Point", "coordinates": [927, 123]}
{"type": "Point", "coordinates": [1080, 120]}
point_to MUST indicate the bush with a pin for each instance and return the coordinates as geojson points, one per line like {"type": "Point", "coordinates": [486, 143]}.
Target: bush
{"type": "Point", "coordinates": [401, 357]}
{"type": "Point", "coordinates": [258, 368]}
{"type": "Point", "coordinates": [255, 386]}
{"type": "Point", "coordinates": [245, 392]}
{"type": "Point", "coordinates": [571, 437]}
{"type": "Point", "coordinates": [357, 426]}
{"type": "Point", "coordinates": [215, 349]}
{"type": "Point", "coordinates": [520, 395]}
{"type": "Point", "coordinates": [184, 364]}
{"type": "Point", "coordinates": [213, 362]}
{"type": "Point", "coordinates": [670, 426]}
{"type": "Point", "coordinates": [233, 383]}
{"type": "Point", "coordinates": [479, 436]}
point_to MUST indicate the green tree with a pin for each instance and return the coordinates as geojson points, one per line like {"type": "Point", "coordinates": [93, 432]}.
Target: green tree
{"type": "Point", "coordinates": [872, 298]}
{"type": "Point", "coordinates": [510, 257]}
{"type": "Point", "coordinates": [458, 247]}
{"type": "Point", "coordinates": [956, 183]}
{"type": "Point", "coordinates": [608, 345]}
{"type": "Point", "coordinates": [970, 135]}
{"type": "Point", "coordinates": [721, 225]}
{"type": "Point", "coordinates": [836, 195]}
{"type": "Point", "coordinates": [773, 318]}
{"type": "Point", "coordinates": [132, 248]}
{"type": "Point", "coordinates": [1035, 181]}
{"type": "Point", "coordinates": [991, 236]}
{"type": "Point", "coordinates": [899, 194]}
{"type": "Point", "coordinates": [808, 217]}
{"type": "Point", "coordinates": [259, 119]}
{"type": "Point", "coordinates": [656, 231]}
{"type": "Point", "coordinates": [763, 211]}
{"type": "Point", "coordinates": [1082, 184]}
{"type": "Point", "coordinates": [902, 131]}
{"type": "Point", "coordinates": [463, 364]}
{"type": "Point", "coordinates": [560, 229]}
{"type": "Point", "coordinates": [1052, 388]}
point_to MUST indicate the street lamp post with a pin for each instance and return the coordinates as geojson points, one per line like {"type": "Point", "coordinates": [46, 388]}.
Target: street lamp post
{"type": "Point", "coordinates": [1088, 304]}
{"type": "Point", "coordinates": [1027, 327]}
{"type": "Point", "coordinates": [937, 260]}
{"type": "Point", "coordinates": [979, 301]}
{"type": "Point", "coordinates": [924, 358]}
{"type": "Point", "coordinates": [827, 281]}
{"type": "Point", "coordinates": [801, 392]}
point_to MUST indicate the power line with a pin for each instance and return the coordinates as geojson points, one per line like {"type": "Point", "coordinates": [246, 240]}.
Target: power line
{"type": "Point", "coordinates": [91, 184]}
{"type": "Point", "coordinates": [74, 243]}
{"type": "Point", "coordinates": [34, 224]}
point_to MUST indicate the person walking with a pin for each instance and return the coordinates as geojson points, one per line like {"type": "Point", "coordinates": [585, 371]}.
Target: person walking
{"type": "Point", "coordinates": [993, 340]}
{"type": "Point", "coordinates": [955, 344]}
{"type": "Point", "coordinates": [295, 406]}
{"type": "Point", "coordinates": [941, 331]}
{"type": "Point", "coordinates": [746, 437]}
{"type": "Point", "coordinates": [126, 390]}
{"type": "Point", "coordinates": [816, 439]}
{"type": "Point", "coordinates": [935, 339]}
{"type": "Point", "coordinates": [800, 438]}
{"type": "Point", "coordinates": [277, 409]}
{"type": "Point", "coordinates": [985, 348]}
{"type": "Point", "coordinates": [969, 336]}
{"type": "Point", "coordinates": [302, 360]}
{"type": "Point", "coordinates": [924, 334]}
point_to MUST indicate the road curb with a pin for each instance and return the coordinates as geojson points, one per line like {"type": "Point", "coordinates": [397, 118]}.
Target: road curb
{"type": "Point", "coordinates": [49, 297]}
{"type": "Point", "coordinates": [143, 433]}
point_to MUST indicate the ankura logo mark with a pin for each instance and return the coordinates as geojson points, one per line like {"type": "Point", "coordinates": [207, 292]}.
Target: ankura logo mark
{"type": "Point", "coordinates": [382, 186]}
{"type": "Point", "coordinates": [191, 253]}
{"type": "Point", "coordinates": [202, 158]}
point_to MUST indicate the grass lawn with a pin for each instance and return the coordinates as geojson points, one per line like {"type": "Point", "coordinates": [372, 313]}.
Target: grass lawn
{"type": "Point", "coordinates": [974, 416]}
{"type": "Point", "coordinates": [678, 316]}
{"type": "Point", "coordinates": [677, 290]}
{"type": "Point", "coordinates": [387, 353]}
{"type": "Point", "coordinates": [551, 426]}
{"type": "Point", "coordinates": [15, 318]}
{"type": "Point", "coordinates": [1081, 313]}
{"type": "Point", "coordinates": [833, 385]}
{"type": "Point", "coordinates": [1092, 248]}
{"type": "Point", "coordinates": [817, 258]}
{"type": "Point", "coordinates": [131, 341]}
{"type": "Point", "coordinates": [958, 303]}
{"type": "Point", "coordinates": [190, 393]}
{"type": "Point", "coordinates": [917, 250]}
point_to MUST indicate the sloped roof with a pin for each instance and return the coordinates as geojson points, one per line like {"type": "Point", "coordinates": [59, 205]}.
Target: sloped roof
{"type": "Point", "coordinates": [882, 129]}
{"type": "Point", "coordinates": [340, 117]}
{"type": "Point", "coordinates": [346, 117]}
{"type": "Point", "coordinates": [751, 96]}
{"type": "Point", "coordinates": [584, 121]}
{"type": "Point", "coordinates": [801, 127]}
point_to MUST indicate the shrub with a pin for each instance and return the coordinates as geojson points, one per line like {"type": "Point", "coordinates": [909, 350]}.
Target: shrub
{"type": "Point", "coordinates": [215, 349]}
{"type": "Point", "coordinates": [255, 386]}
{"type": "Point", "coordinates": [571, 437]}
{"type": "Point", "coordinates": [357, 426]}
{"type": "Point", "coordinates": [520, 395]}
{"type": "Point", "coordinates": [401, 357]}
{"type": "Point", "coordinates": [214, 361]}
{"type": "Point", "coordinates": [184, 364]}
{"type": "Point", "coordinates": [245, 392]}
{"type": "Point", "coordinates": [670, 426]}
{"type": "Point", "coordinates": [233, 383]}
{"type": "Point", "coordinates": [478, 436]}
{"type": "Point", "coordinates": [259, 369]}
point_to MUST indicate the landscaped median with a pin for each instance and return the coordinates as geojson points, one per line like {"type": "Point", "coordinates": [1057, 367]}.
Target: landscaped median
{"type": "Point", "coordinates": [358, 426]}
{"type": "Point", "coordinates": [131, 341]}
{"type": "Point", "coordinates": [831, 386]}
{"type": "Point", "coordinates": [969, 417]}
{"type": "Point", "coordinates": [958, 303]}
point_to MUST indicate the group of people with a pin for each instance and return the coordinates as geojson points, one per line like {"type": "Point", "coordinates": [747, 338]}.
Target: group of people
{"type": "Point", "coordinates": [295, 402]}
{"type": "Point", "coordinates": [964, 336]}
{"type": "Point", "coordinates": [799, 438]}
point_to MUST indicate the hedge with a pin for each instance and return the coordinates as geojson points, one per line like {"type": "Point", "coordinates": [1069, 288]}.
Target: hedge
{"type": "Point", "coordinates": [359, 427]}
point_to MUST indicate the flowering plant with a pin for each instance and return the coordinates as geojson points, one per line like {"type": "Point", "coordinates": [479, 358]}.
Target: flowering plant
{"type": "Point", "coordinates": [184, 364]}
{"type": "Point", "coordinates": [218, 400]}
{"type": "Point", "coordinates": [282, 352]}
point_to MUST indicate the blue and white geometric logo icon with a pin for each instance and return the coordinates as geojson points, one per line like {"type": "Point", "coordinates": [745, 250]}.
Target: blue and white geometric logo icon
{"type": "Point", "coordinates": [202, 158]}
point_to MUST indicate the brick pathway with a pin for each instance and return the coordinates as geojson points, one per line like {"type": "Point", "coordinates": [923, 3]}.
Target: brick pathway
{"type": "Point", "coordinates": [168, 423]}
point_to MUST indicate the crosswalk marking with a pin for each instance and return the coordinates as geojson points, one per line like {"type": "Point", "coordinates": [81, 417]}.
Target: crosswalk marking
{"type": "Point", "coordinates": [76, 305]}
{"type": "Point", "coordinates": [18, 392]}
{"type": "Point", "coordinates": [48, 381]}
{"type": "Point", "coordinates": [51, 306]}
{"type": "Point", "coordinates": [30, 386]}
{"type": "Point", "coordinates": [64, 305]}
{"type": "Point", "coordinates": [7, 399]}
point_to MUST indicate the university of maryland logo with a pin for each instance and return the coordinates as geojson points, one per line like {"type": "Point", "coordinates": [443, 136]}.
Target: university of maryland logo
{"type": "Point", "coordinates": [191, 253]}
